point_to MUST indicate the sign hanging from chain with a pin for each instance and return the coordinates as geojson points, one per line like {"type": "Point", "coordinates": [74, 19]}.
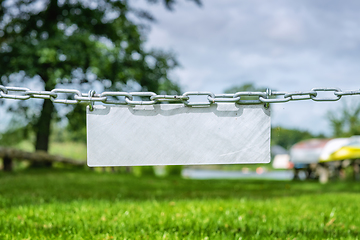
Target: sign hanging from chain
{"type": "Point", "coordinates": [173, 134]}
{"type": "Point", "coordinates": [171, 129]}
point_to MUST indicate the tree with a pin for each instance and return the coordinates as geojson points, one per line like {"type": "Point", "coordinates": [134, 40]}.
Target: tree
{"type": "Point", "coordinates": [345, 122]}
{"type": "Point", "coordinates": [246, 87]}
{"type": "Point", "coordinates": [77, 43]}
{"type": "Point", "coordinates": [279, 135]}
{"type": "Point", "coordinates": [287, 137]}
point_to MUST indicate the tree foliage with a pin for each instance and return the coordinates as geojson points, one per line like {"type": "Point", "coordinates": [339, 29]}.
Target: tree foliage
{"type": "Point", "coordinates": [246, 87]}
{"type": "Point", "coordinates": [74, 43]}
{"type": "Point", "coordinates": [345, 122]}
{"type": "Point", "coordinates": [71, 41]}
{"type": "Point", "coordinates": [281, 136]}
{"type": "Point", "coordinates": [286, 137]}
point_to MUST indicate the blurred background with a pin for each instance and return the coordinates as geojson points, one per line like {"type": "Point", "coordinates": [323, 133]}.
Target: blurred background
{"type": "Point", "coordinates": [170, 47]}
{"type": "Point", "coordinates": [282, 45]}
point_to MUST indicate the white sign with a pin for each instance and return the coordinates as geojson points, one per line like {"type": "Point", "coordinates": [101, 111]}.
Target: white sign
{"type": "Point", "coordinates": [174, 134]}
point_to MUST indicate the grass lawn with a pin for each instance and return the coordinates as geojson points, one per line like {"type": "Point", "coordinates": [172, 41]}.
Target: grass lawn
{"type": "Point", "coordinates": [74, 204]}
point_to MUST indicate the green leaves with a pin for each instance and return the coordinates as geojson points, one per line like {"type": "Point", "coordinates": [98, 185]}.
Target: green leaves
{"type": "Point", "coordinates": [63, 37]}
{"type": "Point", "coordinates": [345, 122]}
{"type": "Point", "coordinates": [287, 137]}
{"type": "Point", "coordinates": [78, 42]}
{"type": "Point", "coordinates": [47, 55]}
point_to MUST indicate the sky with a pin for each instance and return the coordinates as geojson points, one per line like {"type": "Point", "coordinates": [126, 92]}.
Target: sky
{"type": "Point", "coordinates": [280, 44]}
{"type": "Point", "coordinates": [283, 45]}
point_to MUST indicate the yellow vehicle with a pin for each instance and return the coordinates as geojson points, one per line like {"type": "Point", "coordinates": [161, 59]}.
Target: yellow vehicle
{"type": "Point", "coordinates": [325, 158]}
{"type": "Point", "coordinates": [345, 150]}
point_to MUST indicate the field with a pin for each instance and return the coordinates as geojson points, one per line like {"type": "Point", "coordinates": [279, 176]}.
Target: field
{"type": "Point", "coordinates": [78, 204]}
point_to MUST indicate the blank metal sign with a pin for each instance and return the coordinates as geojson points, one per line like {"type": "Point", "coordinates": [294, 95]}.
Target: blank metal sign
{"type": "Point", "coordinates": [174, 134]}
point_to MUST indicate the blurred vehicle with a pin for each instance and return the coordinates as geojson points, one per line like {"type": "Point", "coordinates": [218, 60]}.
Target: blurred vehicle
{"type": "Point", "coordinates": [339, 149]}
{"type": "Point", "coordinates": [345, 156]}
{"type": "Point", "coordinates": [307, 151]}
{"type": "Point", "coordinates": [305, 157]}
{"type": "Point", "coordinates": [323, 158]}
{"type": "Point", "coordinates": [282, 161]}
{"type": "Point", "coordinates": [280, 158]}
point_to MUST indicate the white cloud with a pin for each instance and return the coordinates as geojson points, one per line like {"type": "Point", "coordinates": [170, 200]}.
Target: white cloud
{"type": "Point", "coordinates": [284, 27]}
{"type": "Point", "coordinates": [285, 45]}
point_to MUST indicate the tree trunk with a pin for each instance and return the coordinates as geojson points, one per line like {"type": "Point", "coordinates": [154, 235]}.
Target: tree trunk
{"type": "Point", "coordinates": [43, 126]}
{"type": "Point", "coordinates": [43, 130]}
{"type": "Point", "coordinates": [7, 163]}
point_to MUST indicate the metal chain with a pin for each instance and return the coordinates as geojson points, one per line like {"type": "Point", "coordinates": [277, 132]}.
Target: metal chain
{"type": "Point", "coordinates": [73, 96]}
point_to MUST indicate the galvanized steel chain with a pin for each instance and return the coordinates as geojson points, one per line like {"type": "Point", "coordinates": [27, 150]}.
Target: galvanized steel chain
{"type": "Point", "coordinates": [73, 96]}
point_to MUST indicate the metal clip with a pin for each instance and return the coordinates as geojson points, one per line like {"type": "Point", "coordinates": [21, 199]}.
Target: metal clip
{"type": "Point", "coordinates": [268, 94]}
{"type": "Point", "coordinates": [91, 103]}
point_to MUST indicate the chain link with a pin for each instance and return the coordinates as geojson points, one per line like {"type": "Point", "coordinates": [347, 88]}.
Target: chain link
{"type": "Point", "coordinates": [326, 90]}
{"type": "Point", "coordinates": [199, 104]}
{"type": "Point", "coordinates": [73, 96]}
{"type": "Point", "coordinates": [223, 98]}
{"type": "Point", "coordinates": [303, 95]}
{"type": "Point", "coordinates": [55, 99]}
{"type": "Point", "coordinates": [40, 94]}
{"type": "Point", "coordinates": [169, 98]}
{"type": "Point", "coordinates": [116, 94]}
{"type": "Point", "coordinates": [5, 93]}
{"type": "Point", "coordinates": [140, 94]}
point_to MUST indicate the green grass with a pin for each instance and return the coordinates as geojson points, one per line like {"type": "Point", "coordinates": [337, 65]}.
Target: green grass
{"type": "Point", "coordinates": [74, 204]}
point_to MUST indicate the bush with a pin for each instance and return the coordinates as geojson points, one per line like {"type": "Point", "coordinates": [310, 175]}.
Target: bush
{"type": "Point", "coordinates": [174, 170]}
{"type": "Point", "coordinates": [143, 171]}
